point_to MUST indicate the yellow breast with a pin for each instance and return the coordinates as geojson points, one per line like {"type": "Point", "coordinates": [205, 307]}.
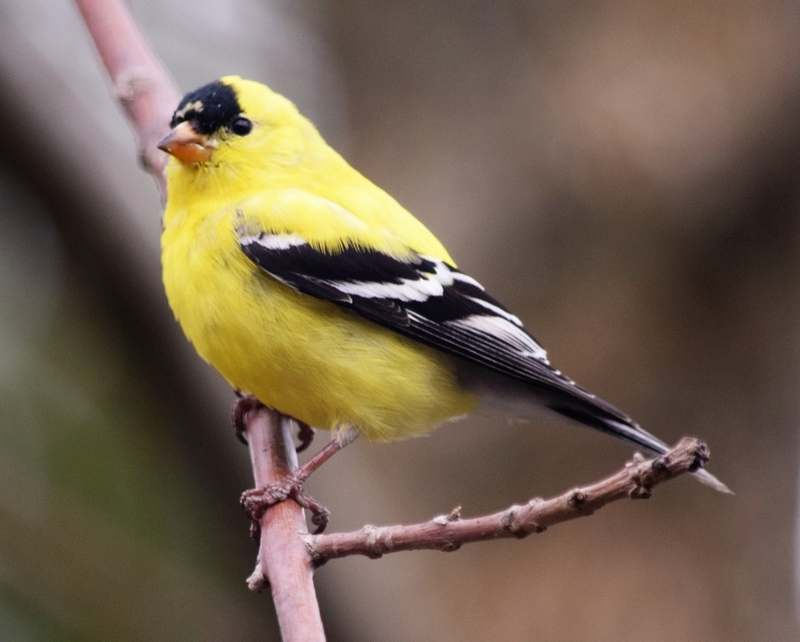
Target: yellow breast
{"type": "Point", "coordinates": [305, 357]}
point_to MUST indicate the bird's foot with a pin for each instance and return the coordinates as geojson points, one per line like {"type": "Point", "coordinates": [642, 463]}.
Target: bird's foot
{"type": "Point", "coordinates": [257, 500]}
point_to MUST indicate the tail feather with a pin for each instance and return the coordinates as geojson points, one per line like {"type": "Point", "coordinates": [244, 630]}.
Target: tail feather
{"type": "Point", "coordinates": [618, 426]}
{"type": "Point", "coordinates": [707, 479]}
{"type": "Point", "coordinates": [625, 428]}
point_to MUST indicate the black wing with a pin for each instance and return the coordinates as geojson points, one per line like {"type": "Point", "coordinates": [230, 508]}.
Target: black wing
{"type": "Point", "coordinates": [432, 302]}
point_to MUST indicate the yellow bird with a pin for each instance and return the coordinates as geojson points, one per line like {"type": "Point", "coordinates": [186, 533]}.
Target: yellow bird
{"type": "Point", "coordinates": [307, 286]}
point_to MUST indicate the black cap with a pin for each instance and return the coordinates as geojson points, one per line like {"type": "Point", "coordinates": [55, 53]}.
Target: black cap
{"type": "Point", "coordinates": [208, 108]}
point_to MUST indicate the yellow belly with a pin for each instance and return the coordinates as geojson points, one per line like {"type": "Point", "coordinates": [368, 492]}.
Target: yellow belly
{"type": "Point", "coordinates": [305, 357]}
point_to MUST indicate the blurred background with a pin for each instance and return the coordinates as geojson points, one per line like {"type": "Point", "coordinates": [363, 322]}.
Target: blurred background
{"type": "Point", "coordinates": [622, 174]}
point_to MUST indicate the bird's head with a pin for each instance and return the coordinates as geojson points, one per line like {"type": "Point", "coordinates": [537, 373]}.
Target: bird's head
{"type": "Point", "coordinates": [231, 122]}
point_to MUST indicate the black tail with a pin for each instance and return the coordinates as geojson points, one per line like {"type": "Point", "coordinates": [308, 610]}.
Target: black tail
{"type": "Point", "coordinates": [604, 417]}
{"type": "Point", "coordinates": [616, 424]}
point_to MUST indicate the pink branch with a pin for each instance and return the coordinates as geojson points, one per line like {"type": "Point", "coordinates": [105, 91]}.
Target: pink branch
{"type": "Point", "coordinates": [149, 96]}
{"type": "Point", "coordinates": [282, 556]}
{"type": "Point", "coordinates": [142, 85]}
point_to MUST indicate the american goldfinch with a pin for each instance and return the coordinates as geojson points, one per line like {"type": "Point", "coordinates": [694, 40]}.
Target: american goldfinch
{"type": "Point", "coordinates": [309, 287]}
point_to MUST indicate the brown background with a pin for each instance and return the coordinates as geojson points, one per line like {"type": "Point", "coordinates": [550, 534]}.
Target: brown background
{"type": "Point", "coordinates": [621, 174]}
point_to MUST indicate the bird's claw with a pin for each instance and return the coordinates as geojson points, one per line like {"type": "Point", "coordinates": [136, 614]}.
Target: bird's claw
{"type": "Point", "coordinates": [246, 404]}
{"type": "Point", "coordinates": [241, 408]}
{"type": "Point", "coordinates": [305, 435]}
{"type": "Point", "coordinates": [257, 500]}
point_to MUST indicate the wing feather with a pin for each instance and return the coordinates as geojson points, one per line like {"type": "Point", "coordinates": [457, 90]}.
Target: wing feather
{"type": "Point", "coordinates": [420, 297]}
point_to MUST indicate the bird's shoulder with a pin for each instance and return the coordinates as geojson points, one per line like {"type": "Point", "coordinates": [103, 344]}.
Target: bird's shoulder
{"type": "Point", "coordinates": [331, 217]}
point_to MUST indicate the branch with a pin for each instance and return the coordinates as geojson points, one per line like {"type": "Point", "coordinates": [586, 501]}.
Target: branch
{"type": "Point", "coordinates": [449, 532]}
{"type": "Point", "coordinates": [142, 85]}
{"type": "Point", "coordinates": [148, 95]}
{"type": "Point", "coordinates": [282, 556]}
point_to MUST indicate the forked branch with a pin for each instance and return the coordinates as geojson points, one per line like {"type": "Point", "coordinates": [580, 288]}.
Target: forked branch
{"type": "Point", "coordinates": [287, 552]}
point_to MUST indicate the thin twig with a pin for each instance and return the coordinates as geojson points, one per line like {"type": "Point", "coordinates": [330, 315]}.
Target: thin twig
{"type": "Point", "coordinates": [449, 532]}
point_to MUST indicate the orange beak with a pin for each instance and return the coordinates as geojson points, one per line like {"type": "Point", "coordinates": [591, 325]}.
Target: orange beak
{"type": "Point", "coordinates": [185, 144]}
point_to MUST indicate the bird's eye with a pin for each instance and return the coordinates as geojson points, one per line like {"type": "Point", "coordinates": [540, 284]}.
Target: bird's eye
{"type": "Point", "coordinates": [241, 126]}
